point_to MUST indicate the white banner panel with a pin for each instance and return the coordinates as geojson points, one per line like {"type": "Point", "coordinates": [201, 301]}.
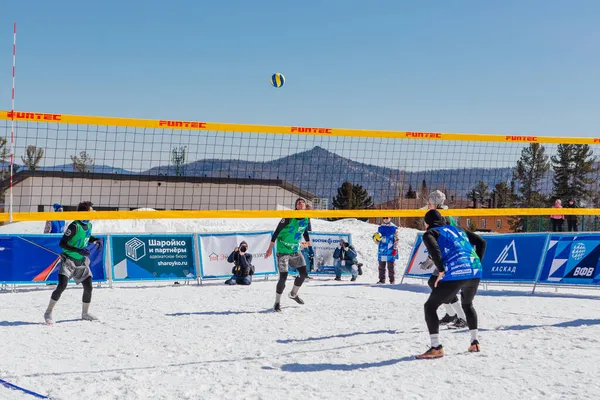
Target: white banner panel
{"type": "Point", "coordinates": [215, 248]}
{"type": "Point", "coordinates": [324, 244]}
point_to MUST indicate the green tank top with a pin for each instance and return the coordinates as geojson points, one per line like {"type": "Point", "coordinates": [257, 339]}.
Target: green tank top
{"type": "Point", "coordinates": [288, 240]}
{"type": "Point", "coordinates": [79, 240]}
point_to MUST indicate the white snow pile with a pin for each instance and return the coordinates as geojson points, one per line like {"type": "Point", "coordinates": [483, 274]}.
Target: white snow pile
{"type": "Point", "coordinates": [351, 340]}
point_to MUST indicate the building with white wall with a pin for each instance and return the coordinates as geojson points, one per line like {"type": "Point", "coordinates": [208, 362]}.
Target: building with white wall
{"type": "Point", "coordinates": [35, 191]}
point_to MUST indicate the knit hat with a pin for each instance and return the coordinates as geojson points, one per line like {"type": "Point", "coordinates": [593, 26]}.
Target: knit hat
{"type": "Point", "coordinates": [437, 198]}
{"type": "Point", "coordinates": [433, 218]}
{"type": "Point", "coordinates": [56, 206]}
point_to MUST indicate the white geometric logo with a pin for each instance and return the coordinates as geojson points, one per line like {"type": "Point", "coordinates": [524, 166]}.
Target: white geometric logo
{"type": "Point", "coordinates": [578, 251]}
{"type": "Point", "coordinates": [508, 255]}
{"type": "Point", "coordinates": [135, 249]}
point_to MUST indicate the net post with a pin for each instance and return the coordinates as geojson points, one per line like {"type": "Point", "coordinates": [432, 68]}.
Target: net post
{"type": "Point", "coordinates": [12, 125]}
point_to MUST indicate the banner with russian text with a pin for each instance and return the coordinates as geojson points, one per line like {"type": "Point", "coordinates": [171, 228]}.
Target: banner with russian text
{"type": "Point", "coordinates": [32, 258]}
{"type": "Point", "coordinates": [324, 244]}
{"type": "Point", "coordinates": [152, 256]}
{"type": "Point", "coordinates": [215, 248]}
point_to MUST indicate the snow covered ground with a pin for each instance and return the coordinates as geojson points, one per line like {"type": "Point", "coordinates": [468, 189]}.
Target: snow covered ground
{"type": "Point", "coordinates": [349, 341]}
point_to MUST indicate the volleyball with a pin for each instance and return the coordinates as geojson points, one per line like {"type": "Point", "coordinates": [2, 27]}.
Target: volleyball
{"type": "Point", "coordinates": [377, 237]}
{"type": "Point", "coordinates": [277, 80]}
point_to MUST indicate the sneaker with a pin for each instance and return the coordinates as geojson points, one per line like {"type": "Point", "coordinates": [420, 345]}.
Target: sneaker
{"type": "Point", "coordinates": [392, 282]}
{"type": "Point", "coordinates": [353, 279]}
{"type": "Point", "coordinates": [380, 282]}
{"type": "Point", "coordinates": [337, 279]}
{"type": "Point", "coordinates": [458, 324]}
{"type": "Point", "coordinates": [88, 317]}
{"type": "Point", "coordinates": [277, 307]}
{"type": "Point", "coordinates": [447, 319]}
{"type": "Point", "coordinates": [359, 266]}
{"type": "Point", "coordinates": [433, 352]}
{"type": "Point", "coordinates": [296, 298]}
{"type": "Point", "coordinates": [474, 347]}
{"type": "Point", "coordinates": [48, 318]}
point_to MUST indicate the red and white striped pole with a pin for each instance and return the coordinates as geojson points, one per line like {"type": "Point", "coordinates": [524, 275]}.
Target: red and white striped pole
{"type": "Point", "coordinates": [12, 124]}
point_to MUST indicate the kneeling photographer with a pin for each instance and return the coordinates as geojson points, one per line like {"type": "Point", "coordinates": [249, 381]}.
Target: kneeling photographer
{"type": "Point", "coordinates": [242, 266]}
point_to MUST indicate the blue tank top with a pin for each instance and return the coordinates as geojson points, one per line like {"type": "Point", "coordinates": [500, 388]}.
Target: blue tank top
{"type": "Point", "coordinates": [458, 255]}
{"type": "Point", "coordinates": [386, 246]}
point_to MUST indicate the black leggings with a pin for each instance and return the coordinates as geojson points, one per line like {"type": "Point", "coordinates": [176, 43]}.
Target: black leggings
{"type": "Point", "coordinates": [302, 275]}
{"type": "Point", "coordinates": [445, 291]}
{"type": "Point", "coordinates": [62, 285]}
{"type": "Point", "coordinates": [431, 282]}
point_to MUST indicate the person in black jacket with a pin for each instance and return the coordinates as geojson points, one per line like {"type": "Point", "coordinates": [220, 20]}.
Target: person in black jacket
{"type": "Point", "coordinates": [571, 219]}
{"type": "Point", "coordinates": [457, 255]}
{"type": "Point", "coordinates": [242, 266]}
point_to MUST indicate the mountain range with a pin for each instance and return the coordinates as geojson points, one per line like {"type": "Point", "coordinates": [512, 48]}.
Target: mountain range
{"type": "Point", "coordinates": [322, 172]}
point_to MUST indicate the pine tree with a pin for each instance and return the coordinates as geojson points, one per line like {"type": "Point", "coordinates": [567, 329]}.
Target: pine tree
{"type": "Point", "coordinates": [503, 195]}
{"type": "Point", "coordinates": [411, 194]}
{"type": "Point", "coordinates": [83, 162]}
{"type": "Point", "coordinates": [480, 193]}
{"type": "Point", "coordinates": [531, 168]}
{"type": "Point", "coordinates": [572, 167]}
{"type": "Point", "coordinates": [33, 156]}
{"type": "Point", "coordinates": [352, 197]}
{"type": "Point", "coordinates": [583, 167]}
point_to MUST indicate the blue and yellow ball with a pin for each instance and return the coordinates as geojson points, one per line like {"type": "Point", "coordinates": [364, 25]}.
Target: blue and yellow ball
{"type": "Point", "coordinates": [377, 237]}
{"type": "Point", "coordinates": [277, 80]}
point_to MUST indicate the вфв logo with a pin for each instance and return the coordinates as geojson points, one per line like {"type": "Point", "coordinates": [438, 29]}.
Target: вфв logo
{"type": "Point", "coordinates": [135, 249]}
{"type": "Point", "coordinates": [578, 251]}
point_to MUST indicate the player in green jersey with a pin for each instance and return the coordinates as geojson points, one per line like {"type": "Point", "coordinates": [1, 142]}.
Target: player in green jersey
{"type": "Point", "coordinates": [75, 263]}
{"type": "Point", "coordinates": [288, 235]}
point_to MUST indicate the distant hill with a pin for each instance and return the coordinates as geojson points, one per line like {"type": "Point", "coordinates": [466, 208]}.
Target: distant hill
{"type": "Point", "coordinates": [321, 172]}
{"type": "Point", "coordinates": [100, 169]}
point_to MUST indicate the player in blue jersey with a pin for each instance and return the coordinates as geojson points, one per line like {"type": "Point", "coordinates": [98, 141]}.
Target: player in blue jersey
{"type": "Point", "coordinates": [455, 316]}
{"type": "Point", "coordinates": [55, 226]}
{"type": "Point", "coordinates": [457, 255]}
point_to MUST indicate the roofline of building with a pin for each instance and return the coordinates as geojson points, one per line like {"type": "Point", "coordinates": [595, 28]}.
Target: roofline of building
{"type": "Point", "coordinates": [23, 175]}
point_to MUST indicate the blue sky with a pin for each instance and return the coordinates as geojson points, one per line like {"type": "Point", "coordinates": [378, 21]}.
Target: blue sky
{"type": "Point", "coordinates": [506, 67]}
{"type": "Point", "coordinates": [461, 66]}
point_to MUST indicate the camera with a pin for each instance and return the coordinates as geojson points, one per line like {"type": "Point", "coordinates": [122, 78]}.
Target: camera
{"type": "Point", "coordinates": [243, 248]}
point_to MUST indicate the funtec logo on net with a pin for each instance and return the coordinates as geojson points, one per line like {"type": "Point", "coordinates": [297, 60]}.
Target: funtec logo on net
{"type": "Point", "coordinates": [424, 135]}
{"type": "Point", "coordinates": [182, 124]}
{"type": "Point", "coordinates": [33, 116]}
{"type": "Point", "coordinates": [301, 129]}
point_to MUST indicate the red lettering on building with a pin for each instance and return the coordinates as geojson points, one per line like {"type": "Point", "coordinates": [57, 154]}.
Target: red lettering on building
{"type": "Point", "coordinates": [300, 129]}
{"type": "Point", "coordinates": [424, 135]}
{"type": "Point", "coordinates": [522, 138]}
{"type": "Point", "coordinates": [182, 124]}
{"type": "Point", "coordinates": [19, 115]}
{"type": "Point", "coordinates": [596, 140]}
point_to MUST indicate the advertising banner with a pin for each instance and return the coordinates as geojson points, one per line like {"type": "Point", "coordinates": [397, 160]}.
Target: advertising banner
{"type": "Point", "coordinates": [216, 248]}
{"type": "Point", "coordinates": [513, 257]}
{"type": "Point", "coordinates": [152, 256]}
{"type": "Point", "coordinates": [508, 258]}
{"type": "Point", "coordinates": [572, 259]}
{"type": "Point", "coordinates": [417, 266]}
{"type": "Point", "coordinates": [36, 258]}
{"type": "Point", "coordinates": [324, 244]}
